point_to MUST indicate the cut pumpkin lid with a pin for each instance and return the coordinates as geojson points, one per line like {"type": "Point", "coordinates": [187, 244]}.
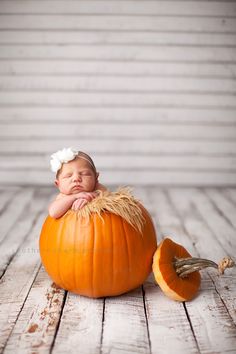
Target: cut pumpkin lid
{"type": "Point", "coordinates": [177, 272]}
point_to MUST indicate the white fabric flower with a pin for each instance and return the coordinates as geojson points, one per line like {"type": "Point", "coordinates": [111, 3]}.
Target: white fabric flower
{"type": "Point", "coordinates": [62, 156]}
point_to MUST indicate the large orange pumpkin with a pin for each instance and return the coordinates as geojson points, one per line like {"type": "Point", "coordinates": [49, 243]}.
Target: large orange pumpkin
{"type": "Point", "coordinates": [101, 254]}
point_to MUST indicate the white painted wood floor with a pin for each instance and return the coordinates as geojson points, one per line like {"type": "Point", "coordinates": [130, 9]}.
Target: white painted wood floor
{"type": "Point", "coordinates": [38, 317]}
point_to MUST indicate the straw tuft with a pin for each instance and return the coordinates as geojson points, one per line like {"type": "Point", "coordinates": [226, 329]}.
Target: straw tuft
{"type": "Point", "coordinates": [121, 203]}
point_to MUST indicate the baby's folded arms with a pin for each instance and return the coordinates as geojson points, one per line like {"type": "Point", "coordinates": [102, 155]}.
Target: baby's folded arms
{"type": "Point", "coordinates": [64, 202]}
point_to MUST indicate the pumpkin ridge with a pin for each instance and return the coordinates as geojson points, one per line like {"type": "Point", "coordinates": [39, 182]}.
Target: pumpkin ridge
{"type": "Point", "coordinates": [74, 257]}
{"type": "Point", "coordinates": [59, 253]}
{"type": "Point", "coordinates": [127, 248]}
{"type": "Point", "coordinates": [93, 261]}
{"type": "Point", "coordinates": [112, 254]}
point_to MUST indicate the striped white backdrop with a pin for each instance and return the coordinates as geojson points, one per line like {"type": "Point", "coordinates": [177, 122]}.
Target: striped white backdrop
{"type": "Point", "coordinates": [146, 87]}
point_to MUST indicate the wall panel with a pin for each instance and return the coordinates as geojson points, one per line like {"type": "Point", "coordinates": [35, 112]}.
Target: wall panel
{"type": "Point", "coordinates": [146, 87]}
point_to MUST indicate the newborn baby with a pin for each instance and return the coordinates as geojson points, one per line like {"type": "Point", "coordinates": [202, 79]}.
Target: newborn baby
{"type": "Point", "coordinates": [76, 179]}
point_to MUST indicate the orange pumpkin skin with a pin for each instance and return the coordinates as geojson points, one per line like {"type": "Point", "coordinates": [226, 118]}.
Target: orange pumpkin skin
{"type": "Point", "coordinates": [97, 257]}
{"type": "Point", "coordinates": [176, 288]}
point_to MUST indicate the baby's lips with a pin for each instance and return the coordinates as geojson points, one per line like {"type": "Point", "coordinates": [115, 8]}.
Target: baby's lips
{"type": "Point", "coordinates": [77, 187]}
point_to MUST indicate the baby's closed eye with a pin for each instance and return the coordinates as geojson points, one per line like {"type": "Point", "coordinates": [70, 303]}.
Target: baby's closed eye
{"type": "Point", "coordinates": [86, 173]}
{"type": "Point", "coordinates": [67, 175]}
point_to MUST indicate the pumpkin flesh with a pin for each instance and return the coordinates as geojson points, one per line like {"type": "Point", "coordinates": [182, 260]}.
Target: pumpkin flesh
{"type": "Point", "coordinates": [175, 287]}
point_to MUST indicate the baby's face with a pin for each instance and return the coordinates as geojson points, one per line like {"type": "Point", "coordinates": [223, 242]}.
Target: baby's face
{"type": "Point", "coordinates": [76, 176]}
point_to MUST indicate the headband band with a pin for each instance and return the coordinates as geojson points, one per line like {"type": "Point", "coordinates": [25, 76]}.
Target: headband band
{"type": "Point", "coordinates": [84, 156]}
{"type": "Point", "coordinates": [66, 155]}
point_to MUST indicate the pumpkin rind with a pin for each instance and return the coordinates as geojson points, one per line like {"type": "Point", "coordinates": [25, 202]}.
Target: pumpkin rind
{"type": "Point", "coordinates": [99, 256]}
{"type": "Point", "coordinates": [176, 288]}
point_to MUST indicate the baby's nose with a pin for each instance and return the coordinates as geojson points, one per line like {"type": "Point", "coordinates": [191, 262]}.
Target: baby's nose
{"type": "Point", "coordinates": [76, 177]}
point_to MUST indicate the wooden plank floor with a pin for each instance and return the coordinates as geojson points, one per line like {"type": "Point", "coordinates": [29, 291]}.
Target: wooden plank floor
{"type": "Point", "coordinates": [38, 317]}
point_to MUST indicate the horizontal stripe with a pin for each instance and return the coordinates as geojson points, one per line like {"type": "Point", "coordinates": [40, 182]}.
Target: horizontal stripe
{"type": "Point", "coordinates": [194, 8]}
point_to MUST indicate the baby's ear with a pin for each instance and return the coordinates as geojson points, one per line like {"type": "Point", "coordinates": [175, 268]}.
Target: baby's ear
{"type": "Point", "coordinates": [56, 182]}
{"type": "Point", "coordinates": [97, 175]}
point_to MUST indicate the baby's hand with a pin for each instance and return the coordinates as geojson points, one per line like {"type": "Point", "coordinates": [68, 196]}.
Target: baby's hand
{"type": "Point", "coordinates": [83, 199]}
{"type": "Point", "coordinates": [87, 195]}
{"type": "Point", "coordinates": [79, 204]}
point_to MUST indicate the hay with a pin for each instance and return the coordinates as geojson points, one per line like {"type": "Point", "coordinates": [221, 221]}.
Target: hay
{"type": "Point", "coordinates": [121, 203]}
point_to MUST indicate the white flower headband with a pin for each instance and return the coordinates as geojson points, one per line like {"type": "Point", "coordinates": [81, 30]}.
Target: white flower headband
{"type": "Point", "coordinates": [65, 155]}
{"type": "Point", "coordinates": [62, 156]}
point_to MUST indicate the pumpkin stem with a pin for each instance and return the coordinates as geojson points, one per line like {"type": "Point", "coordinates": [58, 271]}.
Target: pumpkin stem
{"type": "Point", "coordinates": [185, 266]}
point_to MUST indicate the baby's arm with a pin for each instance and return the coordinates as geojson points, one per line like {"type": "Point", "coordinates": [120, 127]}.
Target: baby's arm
{"type": "Point", "coordinates": [64, 202]}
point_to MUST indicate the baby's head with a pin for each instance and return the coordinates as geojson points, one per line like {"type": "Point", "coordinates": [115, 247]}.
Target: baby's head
{"type": "Point", "coordinates": [75, 171]}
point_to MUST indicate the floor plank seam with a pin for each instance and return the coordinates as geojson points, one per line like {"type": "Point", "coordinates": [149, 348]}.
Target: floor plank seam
{"type": "Point", "coordinates": [59, 322]}
{"type": "Point", "coordinates": [103, 322]}
{"type": "Point", "coordinates": [146, 319]}
{"type": "Point", "coordinates": [191, 326]}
